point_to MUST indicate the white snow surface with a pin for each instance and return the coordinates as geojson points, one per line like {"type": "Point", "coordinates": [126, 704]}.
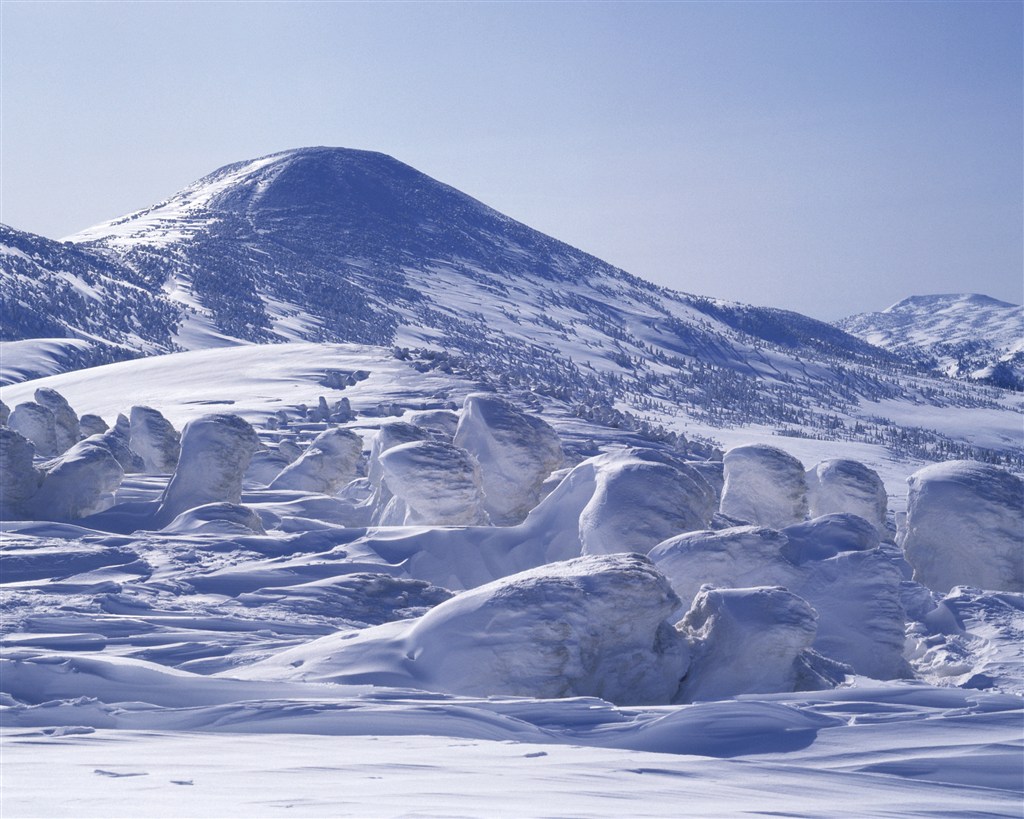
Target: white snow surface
{"type": "Point", "coordinates": [131, 662]}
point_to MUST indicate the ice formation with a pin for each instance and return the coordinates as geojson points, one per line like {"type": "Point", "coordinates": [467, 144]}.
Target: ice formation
{"type": "Point", "coordinates": [36, 423]}
{"type": "Point", "coordinates": [745, 640]}
{"type": "Point", "coordinates": [856, 593]}
{"type": "Point", "coordinates": [215, 452]}
{"type": "Point", "coordinates": [328, 464]}
{"type": "Point", "coordinates": [80, 482]}
{"type": "Point", "coordinates": [764, 486]}
{"type": "Point", "coordinates": [595, 626]}
{"type": "Point", "coordinates": [154, 439]}
{"type": "Point", "coordinates": [641, 499]}
{"type": "Point", "coordinates": [19, 479]}
{"type": "Point", "coordinates": [430, 482]}
{"type": "Point", "coordinates": [843, 485]}
{"type": "Point", "coordinates": [516, 453]}
{"type": "Point", "coordinates": [965, 526]}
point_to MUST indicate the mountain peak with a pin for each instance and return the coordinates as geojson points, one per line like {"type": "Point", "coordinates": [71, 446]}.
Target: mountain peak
{"type": "Point", "coordinates": [944, 300]}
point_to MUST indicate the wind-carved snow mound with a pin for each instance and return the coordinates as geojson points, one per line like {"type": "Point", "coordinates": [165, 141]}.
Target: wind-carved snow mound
{"type": "Point", "coordinates": [66, 430]}
{"type": "Point", "coordinates": [746, 640]}
{"type": "Point", "coordinates": [764, 486]}
{"type": "Point", "coordinates": [220, 518]}
{"type": "Point", "coordinates": [215, 453]}
{"type": "Point", "coordinates": [80, 482]}
{"type": "Point", "coordinates": [965, 526]}
{"type": "Point", "coordinates": [642, 499]}
{"type": "Point", "coordinates": [856, 593]}
{"type": "Point", "coordinates": [154, 440]}
{"type": "Point", "coordinates": [433, 483]}
{"type": "Point", "coordinates": [37, 424]}
{"type": "Point", "coordinates": [594, 626]}
{"type": "Point", "coordinates": [330, 462]}
{"type": "Point", "coordinates": [843, 485]}
{"type": "Point", "coordinates": [19, 479]}
{"type": "Point", "coordinates": [516, 453]}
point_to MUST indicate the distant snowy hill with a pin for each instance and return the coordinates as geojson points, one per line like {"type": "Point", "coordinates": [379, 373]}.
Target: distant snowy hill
{"type": "Point", "coordinates": [965, 335]}
{"type": "Point", "coordinates": [337, 245]}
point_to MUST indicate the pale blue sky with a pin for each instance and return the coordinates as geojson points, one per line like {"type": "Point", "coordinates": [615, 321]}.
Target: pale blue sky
{"type": "Point", "coordinates": [827, 157]}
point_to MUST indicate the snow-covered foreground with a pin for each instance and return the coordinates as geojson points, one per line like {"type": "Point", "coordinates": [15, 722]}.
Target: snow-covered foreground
{"type": "Point", "coordinates": [331, 585]}
{"type": "Point", "coordinates": [903, 751]}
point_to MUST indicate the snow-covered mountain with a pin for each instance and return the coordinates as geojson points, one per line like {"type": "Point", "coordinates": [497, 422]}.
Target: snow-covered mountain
{"type": "Point", "coordinates": [328, 244]}
{"type": "Point", "coordinates": [965, 335]}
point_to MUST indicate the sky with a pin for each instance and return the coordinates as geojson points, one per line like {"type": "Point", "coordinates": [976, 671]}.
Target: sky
{"type": "Point", "coordinates": [829, 158]}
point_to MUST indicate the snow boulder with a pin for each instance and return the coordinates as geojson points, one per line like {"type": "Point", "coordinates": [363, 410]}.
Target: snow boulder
{"type": "Point", "coordinates": [594, 626]}
{"type": "Point", "coordinates": [90, 424]}
{"type": "Point", "coordinates": [388, 436]}
{"type": "Point", "coordinates": [215, 453]}
{"type": "Point", "coordinates": [330, 462]}
{"type": "Point", "coordinates": [441, 422]}
{"type": "Point", "coordinates": [965, 526]}
{"type": "Point", "coordinates": [154, 439]}
{"type": "Point", "coordinates": [430, 483]}
{"type": "Point", "coordinates": [19, 479]}
{"type": "Point", "coordinates": [266, 465]}
{"type": "Point", "coordinates": [36, 423]}
{"type": "Point", "coordinates": [641, 500]}
{"type": "Point", "coordinates": [516, 453]}
{"type": "Point", "coordinates": [65, 419]}
{"type": "Point", "coordinates": [764, 486]}
{"type": "Point", "coordinates": [115, 440]}
{"type": "Point", "coordinates": [745, 641]}
{"type": "Point", "coordinates": [855, 593]}
{"type": "Point", "coordinates": [843, 485]}
{"type": "Point", "coordinates": [80, 482]}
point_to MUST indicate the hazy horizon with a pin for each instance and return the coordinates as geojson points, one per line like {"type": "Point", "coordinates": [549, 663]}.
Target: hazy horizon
{"type": "Point", "coordinates": [826, 158]}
